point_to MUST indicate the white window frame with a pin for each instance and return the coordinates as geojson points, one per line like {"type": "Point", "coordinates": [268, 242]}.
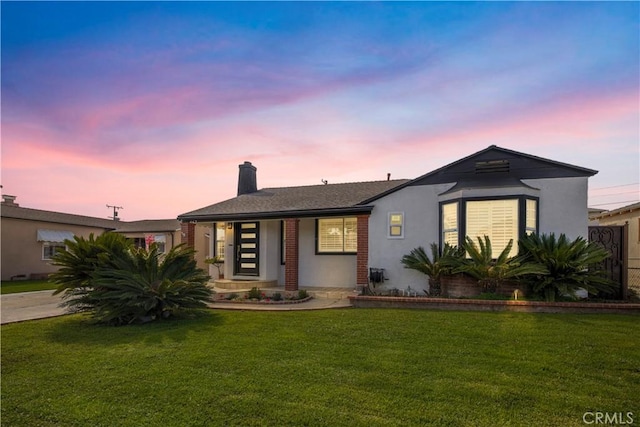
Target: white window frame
{"type": "Point", "coordinates": [51, 245]}
{"type": "Point", "coordinates": [395, 221]}
{"type": "Point", "coordinates": [344, 234]}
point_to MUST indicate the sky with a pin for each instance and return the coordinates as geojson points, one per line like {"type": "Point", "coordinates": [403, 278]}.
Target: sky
{"type": "Point", "coordinates": [153, 105]}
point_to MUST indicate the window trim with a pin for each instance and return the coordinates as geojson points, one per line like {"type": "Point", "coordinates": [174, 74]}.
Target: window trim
{"type": "Point", "coordinates": [389, 225]}
{"type": "Point", "coordinates": [51, 244]}
{"type": "Point", "coordinates": [223, 226]}
{"type": "Point", "coordinates": [462, 214]}
{"type": "Point", "coordinates": [317, 239]}
{"type": "Point", "coordinates": [283, 242]}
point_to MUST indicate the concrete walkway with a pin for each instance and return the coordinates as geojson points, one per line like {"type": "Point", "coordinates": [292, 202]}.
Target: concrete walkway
{"type": "Point", "coordinates": [42, 304]}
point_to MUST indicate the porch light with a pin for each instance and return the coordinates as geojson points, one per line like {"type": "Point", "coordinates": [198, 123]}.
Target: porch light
{"type": "Point", "coordinates": [229, 225]}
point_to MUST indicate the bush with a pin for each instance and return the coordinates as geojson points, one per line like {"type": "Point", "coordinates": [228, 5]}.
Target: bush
{"type": "Point", "coordinates": [569, 266]}
{"type": "Point", "coordinates": [120, 284]}
{"type": "Point", "coordinates": [440, 264]}
{"type": "Point", "coordinates": [302, 294]}
{"type": "Point", "coordinates": [277, 296]}
{"type": "Point", "coordinates": [254, 293]}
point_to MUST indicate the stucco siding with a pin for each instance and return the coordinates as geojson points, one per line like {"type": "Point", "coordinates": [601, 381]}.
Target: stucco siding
{"type": "Point", "coordinates": [322, 270]}
{"type": "Point", "coordinates": [421, 221]}
{"type": "Point", "coordinates": [21, 251]}
{"type": "Point", "coordinates": [562, 206]}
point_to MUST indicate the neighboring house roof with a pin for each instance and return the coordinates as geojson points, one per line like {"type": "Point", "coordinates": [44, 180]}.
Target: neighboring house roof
{"type": "Point", "coordinates": [620, 211]}
{"type": "Point", "coordinates": [55, 217]}
{"type": "Point", "coordinates": [495, 166]}
{"type": "Point", "coordinates": [148, 226]}
{"type": "Point", "coordinates": [312, 200]}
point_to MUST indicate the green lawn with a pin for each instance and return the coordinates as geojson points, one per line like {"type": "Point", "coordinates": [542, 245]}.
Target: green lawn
{"type": "Point", "coordinates": [16, 286]}
{"type": "Point", "coordinates": [351, 367]}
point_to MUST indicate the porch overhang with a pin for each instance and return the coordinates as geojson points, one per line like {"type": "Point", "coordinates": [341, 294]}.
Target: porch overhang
{"type": "Point", "coordinates": [253, 216]}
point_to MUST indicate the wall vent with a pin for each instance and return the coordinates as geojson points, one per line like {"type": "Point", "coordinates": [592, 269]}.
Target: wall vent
{"type": "Point", "coordinates": [492, 166]}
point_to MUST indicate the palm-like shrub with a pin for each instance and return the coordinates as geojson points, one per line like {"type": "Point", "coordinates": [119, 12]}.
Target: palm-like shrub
{"type": "Point", "coordinates": [569, 265]}
{"type": "Point", "coordinates": [83, 256]}
{"type": "Point", "coordinates": [120, 284]}
{"type": "Point", "coordinates": [441, 263]}
{"type": "Point", "coordinates": [491, 272]}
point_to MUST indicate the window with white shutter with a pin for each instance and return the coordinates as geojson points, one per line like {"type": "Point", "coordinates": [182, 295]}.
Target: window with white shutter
{"type": "Point", "coordinates": [337, 235]}
{"type": "Point", "coordinates": [497, 219]}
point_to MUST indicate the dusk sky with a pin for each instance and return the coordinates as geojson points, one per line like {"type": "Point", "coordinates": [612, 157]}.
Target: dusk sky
{"type": "Point", "coordinates": [153, 105]}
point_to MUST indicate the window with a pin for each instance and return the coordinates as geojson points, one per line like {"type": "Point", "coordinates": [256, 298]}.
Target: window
{"type": "Point", "coordinates": [500, 219]}
{"type": "Point", "coordinates": [220, 235]}
{"type": "Point", "coordinates": [450, 224]}
{"type": "Point", "coordinates": [283, 242]}
{"type": "Point", "coordinates": [337, 235]}
{"type": "Point", "coordinates": [497, 219]}
{"type": "Point", "coordinates": [49, 249]}
{"type": "Point", "coordinates": [396, 225]}
{"type": "Point", "coordinates": [161, 241]}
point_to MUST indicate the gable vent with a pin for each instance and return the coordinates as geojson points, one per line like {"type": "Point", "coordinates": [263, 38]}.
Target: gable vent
{"type": "Point", "coordinates": [492, 166]}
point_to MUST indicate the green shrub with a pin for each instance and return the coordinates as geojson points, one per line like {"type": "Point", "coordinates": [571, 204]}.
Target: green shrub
{"type": "Point", "coordinates": [568, 266]}
{"type": "Point", "coordinates": [491, 272]}
{"type": "Point", "coordinates": [254, 293]}
{"type": "Point", "coordinates": [440, 264]}
{"type": "Point", "coordinates": [119, 284]}
{"type": "Point", "coordinates": [302, 294]}
{"type": "Point", "coordinates": [277, 296]}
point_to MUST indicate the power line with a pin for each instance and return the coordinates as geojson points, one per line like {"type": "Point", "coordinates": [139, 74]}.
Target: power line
{"type": "Point", "coordinates": [614, 203]}
{"type": "Point", "coordinates": [614, 186]}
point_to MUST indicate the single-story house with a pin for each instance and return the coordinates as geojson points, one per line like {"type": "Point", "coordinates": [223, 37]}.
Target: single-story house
{"type": "Point", "coordinates": [30, 237]}
{"type": "Point", "coordinates": [331, 235]}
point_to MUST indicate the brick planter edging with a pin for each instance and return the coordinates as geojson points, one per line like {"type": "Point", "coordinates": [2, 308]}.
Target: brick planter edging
{"type": "Point", "coordinates": [492, 305]}
{"type": "Point", "coordinates": [248, 301]}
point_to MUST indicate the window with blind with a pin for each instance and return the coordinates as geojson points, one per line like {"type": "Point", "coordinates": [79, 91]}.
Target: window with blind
{"type": "Point", "coordinates": [337, 235]}
{"type": "Point", "coordinates": [450, 224]}
{"type": "Point", "coordinates": [497, 219]}
{"type": "Point", "coordinates": [500, 219]}
{"type": "Point", "coordinates": [220, 234]}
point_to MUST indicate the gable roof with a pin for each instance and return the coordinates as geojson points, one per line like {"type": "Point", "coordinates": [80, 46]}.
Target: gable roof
{"type": "Point", "coordinates": [618, 211]}
{"type": "Point", "coordinates": [495, 166]}
{"type": "Point", "coordinates": [18, 212]}
{"type": "Point", "coordinates": [304, 201]}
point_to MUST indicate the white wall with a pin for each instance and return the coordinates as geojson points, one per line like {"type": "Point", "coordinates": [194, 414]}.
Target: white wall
{"type": "Point", "coordinates": [562, 209]}
{"type": "Point", "coordinates": [421, 222]}
{"type": "Point", "coordinates": [562, 206]}
{"type": "Point", "coordinates": [322, 270]}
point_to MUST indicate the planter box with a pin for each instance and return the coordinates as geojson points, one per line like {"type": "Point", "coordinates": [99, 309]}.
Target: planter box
{"type": "Point", "coordinates": [463, 286]}
{"type": "Point", "coordinates": [459, 285]}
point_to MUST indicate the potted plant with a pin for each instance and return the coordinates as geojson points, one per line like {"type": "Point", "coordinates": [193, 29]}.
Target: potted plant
{"type": "Point", "coordinates": [217, 262]}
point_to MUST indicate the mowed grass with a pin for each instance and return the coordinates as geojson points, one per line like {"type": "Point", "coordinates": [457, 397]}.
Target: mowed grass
{"type": "Point", "coordinates": [348, 367]}
{"type": "Point", "coordinates": [12, 287]}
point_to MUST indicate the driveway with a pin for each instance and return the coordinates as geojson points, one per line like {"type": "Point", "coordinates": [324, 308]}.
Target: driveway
{"type": "Point", "coordinates": [42, 304]}
{"type": "Point", "coordinates": [29, 305]}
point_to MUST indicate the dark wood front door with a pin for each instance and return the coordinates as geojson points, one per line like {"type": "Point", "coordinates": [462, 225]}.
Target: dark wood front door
{"type": "Point", "coordinates": [247, 246]}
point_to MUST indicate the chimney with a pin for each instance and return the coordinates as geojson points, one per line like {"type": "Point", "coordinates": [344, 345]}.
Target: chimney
{"type": "Point", "coordinates": [247, 179]}
{"type": "Point", "coordinates": [8, 200]}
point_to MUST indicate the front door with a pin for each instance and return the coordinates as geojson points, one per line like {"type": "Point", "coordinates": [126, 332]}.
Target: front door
{"type": "Point", "coordinates": [247, 238]}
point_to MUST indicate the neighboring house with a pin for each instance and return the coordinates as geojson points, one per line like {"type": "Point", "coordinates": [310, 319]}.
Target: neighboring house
{"type": "Point", "coordinates": [30, 237]}
{"type": "Point", "coordinates": [164, 232]}
{"type": "Point", "coordinates": [629, 215]}
{"type": "Point", "coordinates": [330, 235]}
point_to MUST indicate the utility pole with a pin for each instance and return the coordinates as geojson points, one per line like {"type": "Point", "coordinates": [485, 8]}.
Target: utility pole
{"type": "Point", "coordinates": [115, 212]}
